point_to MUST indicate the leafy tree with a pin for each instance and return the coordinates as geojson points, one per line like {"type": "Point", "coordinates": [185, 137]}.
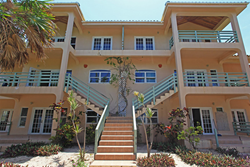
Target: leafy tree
{"type": "Point", "coordinates": [26, 26]}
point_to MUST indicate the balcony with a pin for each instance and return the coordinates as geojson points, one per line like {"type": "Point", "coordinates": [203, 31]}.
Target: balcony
{"type": "Point", "coordinates": [208, 36]}
{"type": "Point", "coordinates": [28, 82]}
{"type": "Point", "coordinates": [201, 79]}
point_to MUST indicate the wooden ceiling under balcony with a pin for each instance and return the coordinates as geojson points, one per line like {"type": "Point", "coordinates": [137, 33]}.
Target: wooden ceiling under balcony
{"type": "Point", "coordinates": [62, 19]}
{"type": "Point", "coordinates": [210, 22]}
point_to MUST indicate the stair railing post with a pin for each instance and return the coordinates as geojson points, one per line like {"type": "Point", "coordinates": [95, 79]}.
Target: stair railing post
{"type": "Point", "coordinates": [154, 94]}
{"type": "Point", "coordinates": [88, 96]}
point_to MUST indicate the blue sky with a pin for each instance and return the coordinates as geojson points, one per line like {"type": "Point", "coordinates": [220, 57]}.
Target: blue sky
{"type": "Point", "coordinates": [147, 10]}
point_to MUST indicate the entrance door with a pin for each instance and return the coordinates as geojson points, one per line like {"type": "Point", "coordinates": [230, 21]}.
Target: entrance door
{"type": "Point", "coordinates": [239, 115]}
{"type": "Point", "coordinates": [42, 121]}
{"type": "Point", "coordinates": [5, 118]}
{"type": "Point", "coordinates": [196, 78]}
{"type": "Point", "coordinates": [203, 117]}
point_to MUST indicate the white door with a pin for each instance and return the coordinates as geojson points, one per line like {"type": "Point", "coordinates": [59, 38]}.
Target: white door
{"type": "Point", "coordinates": [42, 119]}
{"type": "Point", "coordinates": [196, 78]}
{"type": "Point", "coordinates": [5, 120]}
{"type": "Point", "coordinates": [239, 115]}
{"type": "Point", "coordinates": [203, 117]}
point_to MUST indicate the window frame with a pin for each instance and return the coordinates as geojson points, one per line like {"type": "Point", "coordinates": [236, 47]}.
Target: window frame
{"type": "Point", "coordinates": [22, 117]}
{"type": "Point", "coordinates": [97, 117]}
{"type": "Point", "coordinates": [144, 41]}
{"type": "Point", "coordinates": [100, 78]}
{"type": "Point", "coordinates": [146, 119]}
{"type": "Point", "coordinates": [102, 41]}
{"type": "Point", "coordinates": [56, 40]}
{"type": "Point", "coordinates": [145, 78]}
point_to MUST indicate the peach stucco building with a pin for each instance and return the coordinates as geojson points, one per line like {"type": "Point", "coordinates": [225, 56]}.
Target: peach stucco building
{"type": "Point", "coordinates": [183, 60]}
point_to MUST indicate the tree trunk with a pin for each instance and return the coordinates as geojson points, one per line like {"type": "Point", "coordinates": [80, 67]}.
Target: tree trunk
{"type": "Point", "coordinates": [146, 137]}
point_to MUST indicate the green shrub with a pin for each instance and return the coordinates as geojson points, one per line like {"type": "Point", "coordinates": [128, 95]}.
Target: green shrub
{"type": "Point", "coordinates": [156, 160]}
{"type": "Point", "coordinates": [90, 134]}
{"type": "Point", "coordinates": [165, 147]}
{"type": "Point", "coordinates": [229, 151]}
{"type": "Point", "coordinates": [8, 164]}
{"type": "Point", "coordinates": [31, 149]}
{"type": "Point", "coordinates": [64, 135]}
{"type": "Point", "coordinates": [207, 159]}
{"type": "Point", "coordinates": [78, 163]}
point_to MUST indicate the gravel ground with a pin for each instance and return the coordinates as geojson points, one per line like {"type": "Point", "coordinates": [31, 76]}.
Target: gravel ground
{"type": "Point", "coordinates": [63, 159]}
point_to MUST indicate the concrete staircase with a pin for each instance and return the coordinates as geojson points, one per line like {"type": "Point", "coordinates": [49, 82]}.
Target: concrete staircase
{"type": "Point", "coordinates": [158, 100]}
{"type": "Point", "coordinates": [82, 100]}
{"type": "Point", "coordinates": [117, 140]}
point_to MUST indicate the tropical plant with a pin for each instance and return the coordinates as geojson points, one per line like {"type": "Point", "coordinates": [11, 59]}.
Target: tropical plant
{"type": "Point", "coordinates": [73, 106]}
{"type": "Point", "coordinates": [26, 26]}
{"type": "Point", "coordinates": [156, 160]}
{"type": "Point", "coordinates": [10, 164]}
{"type": "Point", "coordinates": [149, 113]}
{"type": "Point", "coordinates": [229, 151]}
{"type": "Point", "coordinates": [123, 67]}
{"type": "Point", "coordinates": [90, 134]}
{"type": "Point", "coordinates": [31, 149]}
{"type": "Point", "coordinates": [191, 135]}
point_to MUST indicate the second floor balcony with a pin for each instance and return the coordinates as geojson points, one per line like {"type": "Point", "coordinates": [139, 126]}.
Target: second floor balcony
{"type": "Point", "coordinates": [203, 79]}
{"type": "Point", "coordinates": [208, 36]}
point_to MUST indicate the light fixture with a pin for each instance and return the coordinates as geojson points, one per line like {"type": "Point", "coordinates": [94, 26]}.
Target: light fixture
{"type": "Point", "coordinates": [85, 65]}
{"type": "Point", "coordinates": [159, 65]}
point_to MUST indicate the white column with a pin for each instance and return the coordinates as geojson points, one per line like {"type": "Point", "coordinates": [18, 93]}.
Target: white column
{"type": "Point", "coordinates": [178, 61]}
{"type": "Point", "coordinates": [63, 68]}
{"type": "Point", "coordinates": [242, 54]}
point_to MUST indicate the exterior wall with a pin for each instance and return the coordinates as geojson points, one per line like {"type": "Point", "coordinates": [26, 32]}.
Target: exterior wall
{"type": "Point", "coordinates": [232, 67]}
{"type": "Point", "coordinates": [212, 101]}
{"type": "Point", "coordinates": [30, 102]}
{"type": "Point", "coordinates": [241, 104]}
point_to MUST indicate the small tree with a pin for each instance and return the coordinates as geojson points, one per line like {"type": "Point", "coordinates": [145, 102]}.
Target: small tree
{"type": "Point", "coordinates": [149, 113]}
{"type": "Point", "coordinates": [191, 135]}
{"type": "Point", "coordinates": [123, 67]}
{"type": "Point", "coordinates": [73, 106]}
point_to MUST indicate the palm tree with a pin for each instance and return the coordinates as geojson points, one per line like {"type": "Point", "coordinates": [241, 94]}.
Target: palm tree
{"type": "Point", "coordinates": [26, 26]}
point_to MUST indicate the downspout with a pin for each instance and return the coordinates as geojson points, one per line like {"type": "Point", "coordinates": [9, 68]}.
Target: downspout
{"type": "Point", "coordinates": [122, 37]}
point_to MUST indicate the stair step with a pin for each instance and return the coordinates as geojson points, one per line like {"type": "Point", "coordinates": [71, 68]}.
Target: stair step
{"type": "Point", "coordinates": [225, 141]}
{"type": "Point", "coordinates": [117, 133]}
{"type": "Point", "coordinates": [117, 137]}
{"type": "Point", "coordinates": [120, 118]}
{"type": "Point", "coordinates": [116, 143]}
{"type": "Point", "coordinates": [118, 124]}
{"type": "Point", "coordinates": [115, 149]}
{"type": "Point", "coordinates": [118, 121]}
{"type": "Point", "coordinates": [119, 128]}
{"type": "Point", "coordinates": [116, 156]}
{"type": "Point", "coordinates": [100, 163]}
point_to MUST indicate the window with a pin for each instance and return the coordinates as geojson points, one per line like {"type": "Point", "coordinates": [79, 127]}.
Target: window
{"type": "Point", "coordinates": [23, 117]}
{"type": "Point", "coordinates": [145, 76]}
{"type": "Point", "coordinates": [61, 39]}
{"type": "Point", "coordinates": [146, 120]}
{"type": "Point", "coordinates": [144, 43]}
{"type": "Point", "coordinates": [99, 76]}
{"type": "Point", "coordinates": [102, 43]}
{"type": "Point", "coordinates": [219, 109]}
{"type": "Point", "coordinates": [214, 76]}
{"type": "Point", "coordinates": [195, 78]}
{"type": "Point", "coordinates": [92, 116]}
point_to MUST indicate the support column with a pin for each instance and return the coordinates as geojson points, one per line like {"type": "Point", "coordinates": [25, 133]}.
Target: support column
{"type": "Point", "coordinates": [63, 68]}
{"type": "Point", "coordinates": [178, 61]}
{"type": "Point", "coordinates": [242, 54]}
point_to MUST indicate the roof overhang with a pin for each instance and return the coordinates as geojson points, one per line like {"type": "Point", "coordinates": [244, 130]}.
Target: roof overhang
{"type": "Point", "coordinates": [206, 9]}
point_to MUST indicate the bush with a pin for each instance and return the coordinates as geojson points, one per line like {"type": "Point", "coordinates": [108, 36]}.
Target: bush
{"type": "Point", "coordinates": [31, 149]}
{"type": "Point", "coordinates": [156, 160]}
{"type": "Point", "coordinates": [207, 159]}
{"type": "Point", "coordinates": [64, 135]}
{"type": "Point", "coordinates": [78, 163]}
{"type": "Point", "coordinates": [229, 151]}
{"type": "Point", "coordinates": [8, 164]}
{"type": "Point", "coordinates": [165, 147]}
{"type": "Point", "coordinates": [90, 134]}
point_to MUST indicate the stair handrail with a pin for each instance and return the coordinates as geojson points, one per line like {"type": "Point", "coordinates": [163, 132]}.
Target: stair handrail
{"type": "Point", "coordinates": [168, 83]}
{"type": "Point", "coordinates": [100, 126]}
{"type": "Point", "coordinates": [135, 131]}
{"type": "Point", "coordinates": [90, 93]}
